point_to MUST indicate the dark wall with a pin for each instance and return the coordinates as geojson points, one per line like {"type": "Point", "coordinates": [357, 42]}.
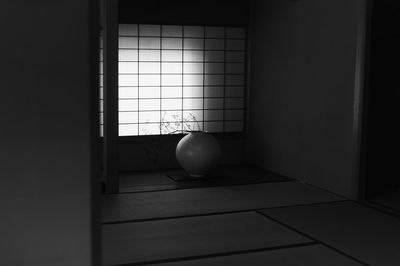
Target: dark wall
{"type": "Point", "coordinates": [45, 133]}
{"type": "Point", "coordinates": [383, 141]}
{"type": "Point", "coordinates": [304, 58]}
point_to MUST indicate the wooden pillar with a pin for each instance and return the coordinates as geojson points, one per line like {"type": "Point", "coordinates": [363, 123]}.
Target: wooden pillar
{"type": "Point", "coordinates": [110, 63]}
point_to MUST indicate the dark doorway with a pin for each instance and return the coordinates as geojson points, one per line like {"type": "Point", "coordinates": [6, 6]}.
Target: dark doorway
{"type": "Point", "coordinates": [382, 141]}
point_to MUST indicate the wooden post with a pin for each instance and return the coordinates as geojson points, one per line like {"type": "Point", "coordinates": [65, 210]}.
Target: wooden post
{"type": "Point", "coordinates": [110, 49]}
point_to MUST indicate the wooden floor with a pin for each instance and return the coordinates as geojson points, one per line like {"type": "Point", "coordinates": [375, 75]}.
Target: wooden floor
{"type": "Point", "coordinates": [280, 223]}
{"type": "Point", "coordinates": [140, 181]}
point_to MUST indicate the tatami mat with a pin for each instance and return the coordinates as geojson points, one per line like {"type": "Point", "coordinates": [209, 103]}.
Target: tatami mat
{"type": "Point", "coordinates": [389, 199]}
{"type": "Point", "coordinates": [195, 236]}
{"type": "Point", "coordinates": [162, 204]}
{"type": "Point", "coordinates": [315, 255]}
{"type": "Point", "coordinates": [358, 231]}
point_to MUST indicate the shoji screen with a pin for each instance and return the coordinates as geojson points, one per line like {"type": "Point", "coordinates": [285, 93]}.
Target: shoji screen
{"type": "Point", "coordinates": [177, 78]}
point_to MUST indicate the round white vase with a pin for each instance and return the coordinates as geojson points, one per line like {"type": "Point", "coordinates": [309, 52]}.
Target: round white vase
{"type": "Point", "coordinates": [197, 152]}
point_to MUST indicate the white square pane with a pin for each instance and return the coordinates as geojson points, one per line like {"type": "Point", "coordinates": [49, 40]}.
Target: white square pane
{"type": "Point", "coordinates": [213, 126]}
{"type": "Point", "coordinates": [171, 68]}
{"type": "Point", "coordinates": [165, 76]}
{"type": "Point", "coordinates": [215, 44]}
{"type": "Point", "coordinates": [128, 105]}
{"type": "Point", "coordinates": [193, 115]}
{"type": "Point", "coordinates": [215, 32]}
{"type": "Point", "coordinates": [101, 93]}
{"type": "Point", "coordinates": [101, 130]}
{"type": "Point", "coordinates": [193, 68]}
{"type": "Point", "coordinates": [234, 80]}
{"type": "Point", "coordinates": [128, 117]}
{"type": "Point", "coordinates": [234, 103]}
{"type": "Point", "coordinates": [128, 80]}
{"type": "Point", "coordinates": [128, 67]}
{"type": "Point", "coordinates": [149, 80]}
{"type": "Point", "coordinates": [149, 117]}
{"type": "Point", "coordinates": [149, 68]}
{"type": "Point", "coordinates": [171, 80]}
{"type": "Point", "coordinates": [101, 80]}
{"type": "Point", "coordinates": [149, 92]}
{"type": "Point", "coordinates": [235, 68]}
{"type": "Point", "coordinates": [128, 130]}
{"type": "Point", "coordinates": [234, 126]}
{"type": "Point", "coordinates": [171, 128]}
{"type": "Point", "coordinates": [192, 126]}
{"type": "Point", "coordinates": [193, 80]}
{"type": "Point", "coordinates": [171, 55]}
{"type": "Point", "coordinates": [101, 105]}
{"type": "Point", "coordinates": [101, 68]}
{"type": "Point", "coordinates": [149, 104]}
{"type": "Point", "coordinates": [236, 45]}
{"type": "Point", "coordinates": [213, 115]}
{"type": "Point", "coordinates": [149, 30]}
{"type": "Point", "coordinates": [213, 103]}
{"type": "Point", "coordinates": [214, 91]}
{"type": "Point", "coordinates": [171, 31]}
{"type": "Point", "coordinates": [128, 55]}
{"type": "Point", "coordinates": [171, 116]}
{"type": "Point", "coordinates": [149, 43]}
{"type": "Point", "coordinates": [235, 32]}
{"type": "Point", "coordinates": [196, 56]}
{"type": "Point", "coordinates": [101, 55]}
{"type": "Point", "coordinates": [171, 43]}
{"type": "Point", "coordinates": [149, 55]}
{"type": "Point", "coordinates": [171, 92]}
{"type": "Point", "coordinates": [214, 80]}
{"type": "Point", "coordinates": [149, 129]}
{"type": "Point", "coordinates": [215, 56]}
{"type": "Point", "coordinates": [171, 104]}
{"type": "Point", "coordinates": [234, 91]}
{"type": "Point", "coordinates": [234, 114]}
{"type": "Point", "coordinates": [214, 68]}
{"type": "Point", "coordinates": [193, 31]}
{"type": "Point", "coordinates": [128, 92]}
{"type": "Point", "coordinates": [235, 56]}
{"type": "Point", "coordinates": [128, 42]}
{"type": "Point", "coordinates": [128, 29]}
{"type": "Point", "coordinates": [192, 103]}
{"type": "Point", "coordinates": [193, 43]}
{"type": "Point", "coordinates": [193, 92]}
{"type": "Point", "coordinates": [102, 118]}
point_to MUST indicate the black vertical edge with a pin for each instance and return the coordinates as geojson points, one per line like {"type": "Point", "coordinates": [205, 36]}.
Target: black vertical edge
{"type": "Point", "coordinates": [95, 140]}
{"type": "Point", "coordinates": [362, 164]}
{"type": "Point", "coordinates": [183, 76]}
{"type": "Point", "coordinates": [224, 89]}
{"type": "Point", "coordinates": [161, 53]}
{"type": "Point", "coordinates": [138, 79]}
{"type": "Point", "coordinates": [247, 85]}
{"type": "Point", "coordinates": [110, 148]}
{"type": "Point", "coordinates": [204, 76]}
